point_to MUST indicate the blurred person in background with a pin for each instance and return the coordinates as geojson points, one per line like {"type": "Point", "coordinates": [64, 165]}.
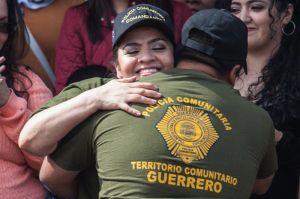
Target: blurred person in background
{"type": "Point", "coordinates": [21, 93]}
{"type": "Point", "coordinates": [86, 33]}
{"type": "Point", "coordinates": [197, 5]}
{"type": "Point", "coordinates": [273, 80]}
{"type": "Point", "coordinates": [44, 19]}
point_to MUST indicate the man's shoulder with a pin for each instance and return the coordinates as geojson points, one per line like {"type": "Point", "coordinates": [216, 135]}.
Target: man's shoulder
{"type": "Point", "coordinates": [88, 83]}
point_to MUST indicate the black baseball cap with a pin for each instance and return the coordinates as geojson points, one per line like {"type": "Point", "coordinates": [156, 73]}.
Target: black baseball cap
{"type": "Point", "coordinates": [143, 15]}
{"type": "Point", "coordinates": [229, 35]}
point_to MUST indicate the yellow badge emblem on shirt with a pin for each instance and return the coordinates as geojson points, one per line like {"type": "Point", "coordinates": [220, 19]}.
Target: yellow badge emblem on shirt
{"type": "Point", "coordinates": [188, 132]}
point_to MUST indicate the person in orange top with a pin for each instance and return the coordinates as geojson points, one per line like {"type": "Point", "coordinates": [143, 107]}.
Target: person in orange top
{"type": "Point", "coordinates": [21, 93]}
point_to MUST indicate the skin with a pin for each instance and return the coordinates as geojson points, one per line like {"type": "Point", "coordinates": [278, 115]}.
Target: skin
{"type": "Point", "coordinates": [51, 174]}
{"type": "Point", "coordinates": [256, 17]}
{"type": "Point", "coordinates": [4, 90]}
{"type": "Point", "coordinates": [3, 18]}
{"type": "Point", "coordinates": [260, 41]}
{"type": "Point", "coordinates": [197, 5]}
{"type": "Point", "coordinates": [143, 49]}
{"type": "Point", "coordinates": [120, 5]}
{"type": "Point", "coordinates": [139, 49]}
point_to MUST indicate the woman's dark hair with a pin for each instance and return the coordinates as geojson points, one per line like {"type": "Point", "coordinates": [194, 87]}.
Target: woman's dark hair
{"type": "Point", "coordinates": [88, 72]}
{"type": "Point", "coordinates": [98, 8]}
{"type": "Point", "coordinates": [280, 95]}
{"type": "Point", "coordinates": [15, 48]}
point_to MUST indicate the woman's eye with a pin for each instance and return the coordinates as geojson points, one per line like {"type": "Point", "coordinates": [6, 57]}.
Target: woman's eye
{"type": "Point", "coordinates": [158, 48]}
{"type": "Point", "coordinates": [132, 52]}
{"type": "Point", "coordinates": [256, 8]}
{"type": "Point", "coordinates": [234, 10]}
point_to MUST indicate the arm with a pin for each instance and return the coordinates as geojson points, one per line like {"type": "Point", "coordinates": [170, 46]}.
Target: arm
{"type": "Point", "coordinates": [16, 111]}
{"type": "Point", "coordinates": [70, 52]}
{"type": "Point", "coordinates": [261, 186]}
{"type": "Point", "coordinates": [59, 170]}
{"type": "Point", "coordinates": [59, 181]}
{"type": "Point", "coordinates": [269, 164]}
{"type": "Point", "coordinates": [42, 132]}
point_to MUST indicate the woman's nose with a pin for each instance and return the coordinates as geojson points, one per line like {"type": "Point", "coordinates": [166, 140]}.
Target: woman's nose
{"type": "Point", "coordinates": [244, 16]}
{"type": "Point", "coordinates": [146, 56]}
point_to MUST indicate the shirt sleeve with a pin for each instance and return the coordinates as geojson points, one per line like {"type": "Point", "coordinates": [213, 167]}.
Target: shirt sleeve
{"type": "Point", "coordinates": [72, 91]}
{"type": "Point", "coordinates": [70, 51]}
{"type": "Point", "coordinates": [15, 113]}
{"type": "Point", "coordinates": [75, 151]}
{"type": "Point", "coordinates": [269, 163]}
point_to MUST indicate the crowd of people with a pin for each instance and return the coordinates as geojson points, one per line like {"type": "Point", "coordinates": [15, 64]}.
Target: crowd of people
{"type": "Point", "coordinates": [154, 99]}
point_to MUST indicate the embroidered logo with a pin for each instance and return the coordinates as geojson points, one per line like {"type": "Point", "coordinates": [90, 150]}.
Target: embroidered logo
{"type": "Point", "coordinates": [188, 132]}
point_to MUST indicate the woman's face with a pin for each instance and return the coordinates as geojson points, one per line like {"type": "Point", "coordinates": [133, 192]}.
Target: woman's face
{"type": "Point", "coordinates": [255, 14]}
{"type": "Point", "coordinates": [3, 19]}
{"type": "Point", "coordinates": [142, 52]}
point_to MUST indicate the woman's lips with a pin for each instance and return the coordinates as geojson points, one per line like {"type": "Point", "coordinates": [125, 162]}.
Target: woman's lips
{"type": "Point", "coordinates": [147, 71]}
{"type": "Point", "coordinates": [251, 29]}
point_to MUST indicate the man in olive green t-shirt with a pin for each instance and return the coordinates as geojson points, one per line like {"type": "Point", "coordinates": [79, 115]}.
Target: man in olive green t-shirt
{"type": "Point", "coordinates": [201, 140]}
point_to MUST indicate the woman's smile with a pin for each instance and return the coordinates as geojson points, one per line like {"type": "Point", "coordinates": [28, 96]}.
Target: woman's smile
{"type": "Point", "coordinates": [144, 51]}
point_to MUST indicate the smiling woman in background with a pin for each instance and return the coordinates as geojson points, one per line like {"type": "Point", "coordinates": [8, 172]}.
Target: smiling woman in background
{"type": "Point", "coordinates": [21, 93]}
{"type": "Point", "coordinates": [273, 80]}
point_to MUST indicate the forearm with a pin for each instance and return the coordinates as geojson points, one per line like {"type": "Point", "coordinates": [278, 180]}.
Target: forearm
{"type": "Point", "coordinates": [62, 183]}
{"type": "Point", "coordinates": [69, 190]}
{"type": "Point", "coordinates": [42, 132]}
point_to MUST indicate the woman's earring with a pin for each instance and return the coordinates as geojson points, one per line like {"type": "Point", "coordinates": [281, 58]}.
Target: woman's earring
{"type": "Point", "coordinates": [291, 32]}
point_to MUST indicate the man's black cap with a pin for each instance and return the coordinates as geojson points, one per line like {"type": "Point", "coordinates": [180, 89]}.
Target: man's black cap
{"type": "Point", "coordinates": [229, 35]}
{"type": "Point", "coordinates": [143, 15]}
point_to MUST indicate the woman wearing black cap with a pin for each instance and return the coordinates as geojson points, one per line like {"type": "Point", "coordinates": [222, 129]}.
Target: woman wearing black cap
{"type": "Point", "coordinates": [85, 36]}
{"type": "Point", "coordinates": [143, 44]}
{"type": "Point", "coordinates": [273, 80]}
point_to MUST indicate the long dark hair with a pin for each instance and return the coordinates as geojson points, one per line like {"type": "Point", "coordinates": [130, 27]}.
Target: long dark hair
{"type": "Point", "coordinates": [15, 48]}
{"type": "Point", "coordinates": [280, 95]}
{"type": "Point", "coordinates": [98, 8]}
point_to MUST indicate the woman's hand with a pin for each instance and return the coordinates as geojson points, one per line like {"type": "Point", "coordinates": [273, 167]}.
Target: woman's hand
{"type": "Point", "coordinates": [118, 93]}
{"type": "Point", "coordinates": [4, 90]}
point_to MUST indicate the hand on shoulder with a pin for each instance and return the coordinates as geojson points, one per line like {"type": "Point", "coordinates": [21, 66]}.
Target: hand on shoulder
{"type": "Point", "coordinates": [116, 94]}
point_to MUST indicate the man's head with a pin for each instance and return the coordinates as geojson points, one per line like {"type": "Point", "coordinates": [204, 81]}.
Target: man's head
{"type": "Point", "coordinates": [216, 39]}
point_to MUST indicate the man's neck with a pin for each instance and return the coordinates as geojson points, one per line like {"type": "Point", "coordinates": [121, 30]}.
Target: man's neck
{"type": "Point", "coordinates": [199, 67]}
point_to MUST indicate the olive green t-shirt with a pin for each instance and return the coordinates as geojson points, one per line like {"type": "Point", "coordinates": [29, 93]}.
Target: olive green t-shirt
{"type": "Point", "coordinates": [201, 140]}
{"type": "Point", "coordinates": [88, 182]}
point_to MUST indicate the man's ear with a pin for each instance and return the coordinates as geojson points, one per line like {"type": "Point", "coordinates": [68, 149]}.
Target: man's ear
{"type": "Point", "coordinates": [231, 76]}
{"type": "Point", "coordinates": [119, 73]}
